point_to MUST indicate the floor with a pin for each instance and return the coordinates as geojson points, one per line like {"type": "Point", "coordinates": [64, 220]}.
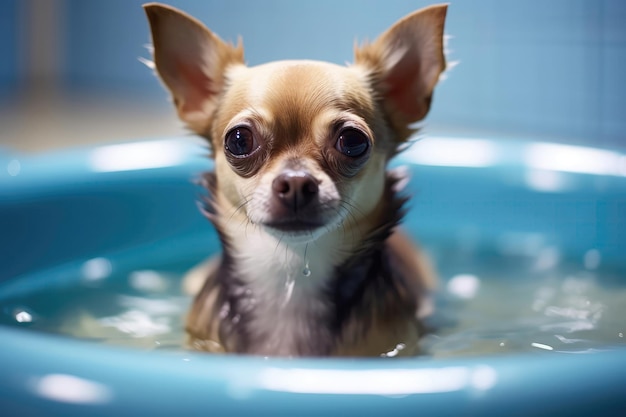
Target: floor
{"type": "Point", "coordinates": [46, 121]}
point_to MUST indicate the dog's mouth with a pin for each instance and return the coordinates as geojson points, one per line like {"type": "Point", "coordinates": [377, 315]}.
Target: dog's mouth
{"type": "Point", "coordinates": [294, 225]}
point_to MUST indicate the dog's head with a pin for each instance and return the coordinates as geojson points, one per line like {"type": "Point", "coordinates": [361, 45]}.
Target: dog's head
{"type": "Point", "coordinates": [300, 146]}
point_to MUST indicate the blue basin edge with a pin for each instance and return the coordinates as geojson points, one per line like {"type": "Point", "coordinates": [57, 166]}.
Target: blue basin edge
{"type": "Point", "coordinates": [62, 208]}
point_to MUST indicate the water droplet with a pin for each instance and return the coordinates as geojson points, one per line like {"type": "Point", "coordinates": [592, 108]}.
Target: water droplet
{"type": "Point", "coordinates": [23, 316]}
{"type": "Point", "coordinates": [306, 271]}
{"type": "Point", "coordinates": [620, 334]}
{"type": "Point", "coordinates": [502, 344]}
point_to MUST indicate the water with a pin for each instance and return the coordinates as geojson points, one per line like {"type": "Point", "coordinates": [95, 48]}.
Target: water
{"type": "Point", "coordinates": [141, 308]}
{"type": "Point", "coordinates": [489, 302]}
{"type": "Point", "coordinates": [514, 303]}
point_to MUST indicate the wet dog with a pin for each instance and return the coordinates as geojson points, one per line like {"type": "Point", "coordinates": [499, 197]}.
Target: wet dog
{"type": "Point", "coordinates": [313, 263]}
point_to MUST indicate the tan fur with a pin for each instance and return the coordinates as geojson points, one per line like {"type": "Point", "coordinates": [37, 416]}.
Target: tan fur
{"type": "Point", "coordinates": [294, 109]}
{"type": "Point", "coordinates": [297, 97]}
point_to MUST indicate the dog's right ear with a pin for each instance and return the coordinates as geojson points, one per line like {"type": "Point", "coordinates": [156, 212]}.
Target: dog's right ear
{"type": "Point", "coordinates": [191, 61]}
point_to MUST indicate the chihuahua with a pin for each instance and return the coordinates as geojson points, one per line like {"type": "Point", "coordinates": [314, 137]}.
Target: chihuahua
{"type": "Point", "coordinates": [313, 263]}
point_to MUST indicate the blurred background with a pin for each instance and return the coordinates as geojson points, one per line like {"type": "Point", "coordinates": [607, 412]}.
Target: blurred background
{"type": "Point", "coordinates": [531, 69]}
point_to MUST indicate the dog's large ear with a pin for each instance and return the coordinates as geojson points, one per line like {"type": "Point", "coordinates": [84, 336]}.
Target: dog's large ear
{"type": "Point", "coordinates": [405, 63]}
{"type": "Point", "coordinates": [191, 61]}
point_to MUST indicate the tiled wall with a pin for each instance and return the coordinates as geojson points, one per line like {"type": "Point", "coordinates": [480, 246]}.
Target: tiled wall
{"type": "Point", "coordinates": [8, 47]}
{"type": "Point", "coordinates": [553, 68]}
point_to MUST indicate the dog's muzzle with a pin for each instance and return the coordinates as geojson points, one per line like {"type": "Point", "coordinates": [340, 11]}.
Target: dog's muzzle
{"type": "Point", "coordinates": [294, 204]}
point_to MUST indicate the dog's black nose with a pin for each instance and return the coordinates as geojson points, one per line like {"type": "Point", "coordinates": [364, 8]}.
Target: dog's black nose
{"type": "Point", "coordinates": [295, 189]}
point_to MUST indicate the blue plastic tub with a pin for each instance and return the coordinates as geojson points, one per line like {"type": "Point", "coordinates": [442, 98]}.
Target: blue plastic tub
{"type": "Point", "coordinates": [60, 209]}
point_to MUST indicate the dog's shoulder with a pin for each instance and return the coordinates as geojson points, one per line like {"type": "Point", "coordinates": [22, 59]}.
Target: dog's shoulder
{"type": "Point", "coordinates": [411, 263]}
{"type": "Point", "coordinates": [387, 320]}
{"type": "Point", "coordinates": [202, 324]}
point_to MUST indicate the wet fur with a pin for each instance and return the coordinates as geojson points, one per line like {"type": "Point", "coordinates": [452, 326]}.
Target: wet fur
{"type": "Point", "coordinates": [367, 278]}
{"type": "Point", "coordinates": [369, 304]}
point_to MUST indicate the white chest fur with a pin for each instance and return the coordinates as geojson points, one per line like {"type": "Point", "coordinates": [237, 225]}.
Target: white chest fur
{"type": "Point", "coordinates": [288, 281]}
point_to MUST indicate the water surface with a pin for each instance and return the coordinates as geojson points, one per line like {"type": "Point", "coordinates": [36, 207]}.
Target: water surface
{"type": "Point", "coordinates": [492, 300]}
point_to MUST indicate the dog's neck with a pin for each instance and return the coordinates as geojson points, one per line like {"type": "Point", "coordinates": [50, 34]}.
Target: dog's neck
{"type": "Point", "coordinates": [290, 297]}
{"type": "Point", "coordinates": [287, 282]}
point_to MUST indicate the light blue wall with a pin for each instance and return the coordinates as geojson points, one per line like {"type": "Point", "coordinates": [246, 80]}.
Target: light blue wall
{"type": "Point", "coordinates": [532, 67]}
{"type": "Point", "coordinates": [106, 37]}
{"type": "Point", "coordinates": [8, 47]}
{"type": "Point", "coordinates": [553, 67]}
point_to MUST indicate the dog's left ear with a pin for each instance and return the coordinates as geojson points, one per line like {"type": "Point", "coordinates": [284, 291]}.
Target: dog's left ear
{"type": "Point", "coordinates": [405, 63]}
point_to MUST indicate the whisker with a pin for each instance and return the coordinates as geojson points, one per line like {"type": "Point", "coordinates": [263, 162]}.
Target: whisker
{"type": "Point", "coordinates": [350, 215]}
{"type": "Point", "coordinates": [343, 219]}
{"type": "Point", "coordinates": [239, 207]}
{"type": "Point", "coordinates": [353, 206]}
{"type": "Point", "coordinates": [246, 199]}
{"type": "Point", "coordinates": [280, 239]}
{"type": "Point", "coordinates": [351, 219]}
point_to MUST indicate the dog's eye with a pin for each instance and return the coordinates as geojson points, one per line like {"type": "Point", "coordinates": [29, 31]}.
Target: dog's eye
{"type": "Point", "coordinates": [240, 142]}
{"type": "Point", "coordinates": [352, 142]}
